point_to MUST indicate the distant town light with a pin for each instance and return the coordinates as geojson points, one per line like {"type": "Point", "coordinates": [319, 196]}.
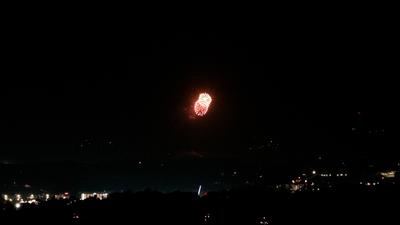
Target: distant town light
{"type": "Point", "coordinates": [99, 196]}
{"type": "Point", "coordinates": [75, 216]}
{"type": "Point", "coordinates": [17, 205]}
{"type": "Point", "coordinates": [388, 174]}
{"type": "Point", "coordinates": [32, 201]}
{"type": "Point", "coordinates": [263, 221]}
{"type": "Point", "coordinates": [314, 172]}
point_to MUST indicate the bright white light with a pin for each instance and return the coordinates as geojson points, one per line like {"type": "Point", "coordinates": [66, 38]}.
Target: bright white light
{"type": "Point", "coordinates": [17, 205]}
{"type": "Point", "coordinates": [314, 172]}
{"type": "Point", "coordinates": [5, 197]}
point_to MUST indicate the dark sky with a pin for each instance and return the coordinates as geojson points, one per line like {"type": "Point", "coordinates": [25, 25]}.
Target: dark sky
{"type": "Point", "coordinates": [300, 80]}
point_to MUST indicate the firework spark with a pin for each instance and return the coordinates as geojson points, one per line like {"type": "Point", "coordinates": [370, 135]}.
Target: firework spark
{"type": "Point", "coordinates": [202, 104]}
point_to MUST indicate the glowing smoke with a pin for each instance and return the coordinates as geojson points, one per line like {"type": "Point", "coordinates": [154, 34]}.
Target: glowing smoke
{"type": "Point", "coordinates": [202, 104]}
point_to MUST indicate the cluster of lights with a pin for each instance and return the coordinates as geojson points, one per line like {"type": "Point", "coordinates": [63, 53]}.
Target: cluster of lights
{"type": "Point", "coordinates": [263, 221]}
{"type": "Point", "coordinates": [330, 175]}
{"type": "Point", "coordinates": [19, 199]}
{"type": "Point", "coordinates": [63, 196]}
{"type": "Point", "coordinates": [75, 216]}
{"type": "Point", "coordinates": [298, 184]}
{"type": "Point", "coordinates": [341, 175]}
{"type": "Point", "coordinates": [389, 174]}
{"type": "Point", "coordinates": [369, 183]}
{"type": "Point", "coordinates": [99, 196]}
{"type": "Point", "coordinates": [305, 182]}
{"type": "Point", "coordinates": [326, 175]}
{"type": "Point", "coordinates": [207, 218]}
{"type": "Point", "coordinates": [32, 199]}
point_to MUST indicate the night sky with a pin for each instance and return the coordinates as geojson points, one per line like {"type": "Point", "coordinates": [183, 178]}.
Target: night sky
{"type": "Point", "coordinates": [97, 93]}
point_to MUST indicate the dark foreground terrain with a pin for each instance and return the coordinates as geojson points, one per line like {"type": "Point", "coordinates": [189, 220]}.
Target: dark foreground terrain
{"type": "Point", "coordinates": [233, 207]}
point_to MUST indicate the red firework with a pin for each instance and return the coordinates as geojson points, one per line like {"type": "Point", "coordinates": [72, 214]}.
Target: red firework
{"type": "Point", "coordinates": [202, 104]}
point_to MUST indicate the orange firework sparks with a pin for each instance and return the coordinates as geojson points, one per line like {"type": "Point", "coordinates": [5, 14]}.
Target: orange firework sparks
{"type": "Point", "coordinates": [202, 104]}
